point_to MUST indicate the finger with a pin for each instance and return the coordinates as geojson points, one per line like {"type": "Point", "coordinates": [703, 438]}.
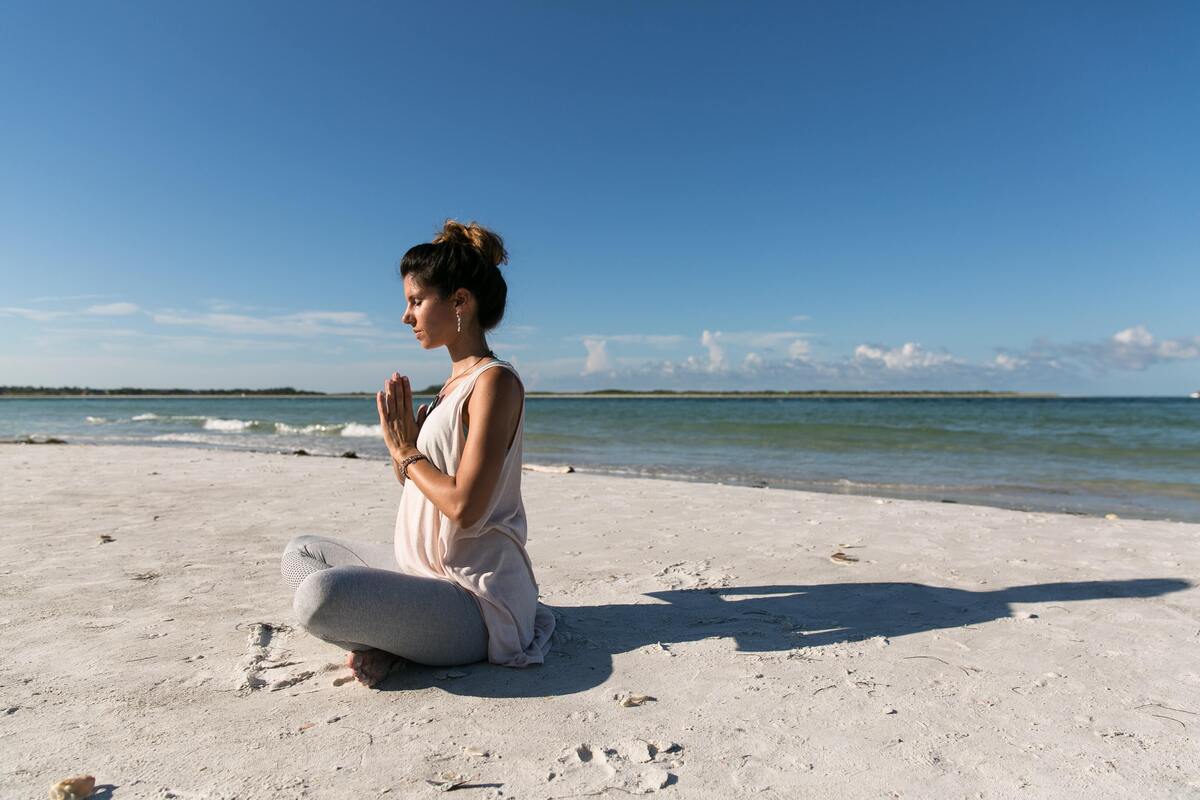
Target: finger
{"type": "Point", "coordinates": [394, 386]}
{"type": "Point", "coordinates": [407, 398]}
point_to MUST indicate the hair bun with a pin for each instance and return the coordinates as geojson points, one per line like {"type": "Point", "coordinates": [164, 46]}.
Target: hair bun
{"type": "Point", "coordinates": [488, 244]}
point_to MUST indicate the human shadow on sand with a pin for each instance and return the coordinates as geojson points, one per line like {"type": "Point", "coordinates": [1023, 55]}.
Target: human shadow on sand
{"type": "Point", "coordinates": [759, 619]}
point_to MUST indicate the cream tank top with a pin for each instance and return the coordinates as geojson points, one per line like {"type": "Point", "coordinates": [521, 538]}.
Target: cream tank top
{"type": "Point", "coordinates": [489, 558]}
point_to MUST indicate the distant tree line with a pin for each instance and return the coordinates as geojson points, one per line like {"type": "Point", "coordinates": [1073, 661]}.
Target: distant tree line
{"type": "Point", "coordinates": [128, 390]}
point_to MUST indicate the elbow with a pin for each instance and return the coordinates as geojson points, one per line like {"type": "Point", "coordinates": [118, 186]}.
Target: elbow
{"type": "Point", "coordinates": [466, 517]}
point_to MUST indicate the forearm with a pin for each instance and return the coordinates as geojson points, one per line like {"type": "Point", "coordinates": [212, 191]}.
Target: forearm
{"type": "Point", "coordinates": [441, 489]}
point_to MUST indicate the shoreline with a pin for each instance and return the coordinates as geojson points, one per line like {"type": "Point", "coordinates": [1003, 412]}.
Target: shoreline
{"type": "Point", "coordinates": [789, 644]}
{"type": "Point", "coordinates": [947, 495]}
{"type": "Point", "coordinates": [749, 395]}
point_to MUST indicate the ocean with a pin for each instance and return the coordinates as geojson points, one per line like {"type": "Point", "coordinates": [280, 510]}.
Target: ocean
{"type": "Point", "coordinates": [1135, 457]}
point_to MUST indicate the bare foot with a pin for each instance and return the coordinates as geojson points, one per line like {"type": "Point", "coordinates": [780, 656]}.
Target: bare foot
{"type": "Point", "coordinates": [371, 666]}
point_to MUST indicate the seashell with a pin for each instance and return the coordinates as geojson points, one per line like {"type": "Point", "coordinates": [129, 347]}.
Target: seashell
{"type": "Point", "coordinates": [75, 788]}
{"type": "Point", "coordinates": [448, 781]}
{"type": "Point", "coordinates": [841, 558]}
{"type": "Point", "coordinates": [626, 700]}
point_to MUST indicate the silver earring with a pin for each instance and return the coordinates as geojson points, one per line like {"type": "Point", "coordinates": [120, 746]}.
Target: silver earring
{"type": "Point", "coordinates": [458, 317]}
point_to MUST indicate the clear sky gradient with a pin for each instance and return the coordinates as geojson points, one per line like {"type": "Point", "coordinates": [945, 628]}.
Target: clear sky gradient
{"type": "Point", "coordinates": [745, 195]}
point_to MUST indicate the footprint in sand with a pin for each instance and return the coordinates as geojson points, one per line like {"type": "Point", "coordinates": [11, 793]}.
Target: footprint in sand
{"type": "Point", "coordinates": [264, 653]}
{"type": "Point", "coordinates": [635, 767]}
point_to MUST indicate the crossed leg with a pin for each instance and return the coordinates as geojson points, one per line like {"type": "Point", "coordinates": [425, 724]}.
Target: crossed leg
{"type": "Point", "coordinates": [352, 595]}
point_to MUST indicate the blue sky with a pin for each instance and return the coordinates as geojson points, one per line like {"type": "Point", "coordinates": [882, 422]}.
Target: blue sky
{"type": "Point", "coordinates": [742, 195]}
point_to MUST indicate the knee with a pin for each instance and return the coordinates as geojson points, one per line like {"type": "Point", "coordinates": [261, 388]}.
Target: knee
{"type": "Point", "coordinates": [297, 543]}
{"type": "Point", "coordinates": [319, 598]}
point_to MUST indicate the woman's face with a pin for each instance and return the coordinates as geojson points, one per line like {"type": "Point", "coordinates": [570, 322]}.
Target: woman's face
{"type": "Point", "coordinates": [432, 318]}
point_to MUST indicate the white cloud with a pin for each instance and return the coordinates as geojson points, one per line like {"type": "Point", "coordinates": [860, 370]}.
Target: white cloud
{"type": "Point", "coordinates": [35, 314]}
{"type": "Point", "coordinates": [752, 361]}
{"type": "Point", "coordinates": [908, 356]}
{"type": "Point", "coordinates": [302, 323]}
{"type": "Point", "coordinates": [597, 356]}
{"type": "Point", "coordinates": [1009, 363]}
{"type": "Point", "coordinates": [1136, 348]}
{"type": "Point", "coordinates": [716, 354]}
{"type": "Point", "coordinates": [113, 310]}
{"type": "Point", "coordinates": [798, 350]}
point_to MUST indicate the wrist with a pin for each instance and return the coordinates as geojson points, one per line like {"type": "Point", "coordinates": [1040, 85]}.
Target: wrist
{"type": "Point", "coordinates": [405, 452]}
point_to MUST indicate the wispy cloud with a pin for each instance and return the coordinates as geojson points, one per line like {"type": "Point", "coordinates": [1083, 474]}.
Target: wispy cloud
{"type": "Point", "coordinates": [302, 324]}
{"type": "Point", "coordinates": [112, 310]}
{"type": "Point", "coordinates": [654, 340]}
{"type": "Point", "coordinates": [34, 314]}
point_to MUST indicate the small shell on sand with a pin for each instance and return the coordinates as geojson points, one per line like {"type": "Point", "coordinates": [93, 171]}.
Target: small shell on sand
{"type": "Point", "coordinates": [627, 700]}
{"type": "Point", "coordinates": [841, 558]}
{"type": "Point", "coordinates": [75, 788]}
{"type": "Point", "coordinates": [447, 781]}
{"type": "Point", "coordinates": [105, 538]}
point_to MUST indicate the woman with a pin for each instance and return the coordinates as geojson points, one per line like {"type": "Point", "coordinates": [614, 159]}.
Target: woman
{"type": "Point", "coordinates": [457, 585]}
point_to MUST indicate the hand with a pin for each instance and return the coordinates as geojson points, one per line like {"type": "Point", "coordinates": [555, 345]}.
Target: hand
{"type": "Point", "coordinates": [396, 417]}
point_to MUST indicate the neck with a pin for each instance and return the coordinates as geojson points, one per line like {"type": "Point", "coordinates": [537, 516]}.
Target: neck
{"type": "Point", "coordinates": [467, 349]}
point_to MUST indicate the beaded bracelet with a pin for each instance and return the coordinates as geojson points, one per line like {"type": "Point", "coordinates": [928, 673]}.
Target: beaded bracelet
{"type": "Point", "coordinates": [404, 464]}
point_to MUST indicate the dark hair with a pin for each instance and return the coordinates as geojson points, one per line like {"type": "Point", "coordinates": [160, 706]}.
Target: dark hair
{"type": "Point", "coordinates": [463, 256]}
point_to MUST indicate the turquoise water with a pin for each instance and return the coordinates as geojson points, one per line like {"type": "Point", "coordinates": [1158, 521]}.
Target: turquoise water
{"type": "Point", "coordinates": [1135, 457]}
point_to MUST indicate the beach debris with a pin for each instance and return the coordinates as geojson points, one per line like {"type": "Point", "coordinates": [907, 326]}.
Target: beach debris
{"type": "Point", "coordinates": [342, 680]}
{"type": "Point", "coordinates": [31, 440]}
{"type": "Point", "coordinates": [1025, 615]}
{"type": "Point", "coordinates": [448, 781]}
{"type": "Point", "coordinates": [300, 452]}
{"type": "Point", "coordinates": [889, 711]}
{"type": "Point", "coordinates": [306, 726]}
{"type": "Point", "coordinates": [477, 752]}
{"type": "Point", "coordinates": [658, 647]}
{"type": "Point", "coordinates": [628, 700]}
{"type": "Point", "coordinates": [146, 576]}
{"type": "Point", "coordinates": [105, 538]}
{"type": "Point", "coordinates": [349, 454]}
{"type": "Point", "coordinates": [563, 470]}
{"type": "Point", "coordinates": [841, 558]}
{"type": "Point", "coordinates": [75, 788]}
{"type": "Point", "coordinates": [1111, 516]}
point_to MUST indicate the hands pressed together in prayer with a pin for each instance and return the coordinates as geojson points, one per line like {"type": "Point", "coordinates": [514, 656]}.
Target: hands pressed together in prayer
{"type": "Point", "coordinates": [400, 427]}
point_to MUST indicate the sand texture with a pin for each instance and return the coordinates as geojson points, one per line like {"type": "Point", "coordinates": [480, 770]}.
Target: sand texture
{"type": "Point", "coordinates": [709, 645]}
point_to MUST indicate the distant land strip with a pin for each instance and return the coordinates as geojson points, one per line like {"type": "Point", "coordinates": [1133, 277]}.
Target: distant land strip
{"type": "Point", "coordinates": [288, 391]}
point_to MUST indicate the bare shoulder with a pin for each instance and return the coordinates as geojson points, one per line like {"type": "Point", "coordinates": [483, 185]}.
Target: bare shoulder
{"type": "Point", "coordinates": [497, 388]}
{"type": "Point", "coordinates": [500, 384]}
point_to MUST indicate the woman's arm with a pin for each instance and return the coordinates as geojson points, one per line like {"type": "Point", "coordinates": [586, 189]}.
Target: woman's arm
{"type": "Point", "coordinates": [494, 408]}
{"type": "Point", "coordinates": [422, 412]}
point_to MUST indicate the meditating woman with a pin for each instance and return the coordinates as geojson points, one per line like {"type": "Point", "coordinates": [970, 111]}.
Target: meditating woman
{"type": "Point", "coordinates": [456, 586]}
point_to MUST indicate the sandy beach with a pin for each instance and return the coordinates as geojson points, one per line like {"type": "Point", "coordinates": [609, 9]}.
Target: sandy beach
{"type": "Point", "coordinates": [709, 646]}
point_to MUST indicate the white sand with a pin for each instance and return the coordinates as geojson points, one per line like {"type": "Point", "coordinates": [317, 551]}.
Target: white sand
{"type": "Point", "coordinates": [919, 671]}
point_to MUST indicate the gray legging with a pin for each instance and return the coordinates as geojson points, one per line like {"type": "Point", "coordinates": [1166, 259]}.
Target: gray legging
{"type": "Point", "coordinates": [353, 595]}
